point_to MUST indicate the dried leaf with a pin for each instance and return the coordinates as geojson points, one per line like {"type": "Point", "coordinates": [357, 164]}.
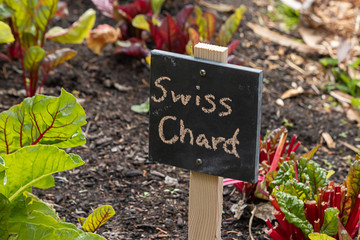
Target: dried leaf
{"type": "Point", "coordinates": [353, 115]}
{"type": "Point", "coordinates": [238, 209]}
{"type": "Point", "coordinates": [220, 7]}
{"type": "Point", "coordinates": [62, 9]}
{"type": "Point", "coordinates": [100, 36]}
{"type": "Point", "coordinates": [264, 211]}
{"type": "Point", "coordinates": [328, 139]}
{"type": "Point", "coordinates": [283, 40]}
{"type": "Point", "coordinates": [341, 97]}
{"type": "Point", "coordinates": [292, 93]}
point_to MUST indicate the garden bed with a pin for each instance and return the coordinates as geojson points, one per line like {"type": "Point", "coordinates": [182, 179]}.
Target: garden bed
{"type": "Point", "coordinates": [117, 170]}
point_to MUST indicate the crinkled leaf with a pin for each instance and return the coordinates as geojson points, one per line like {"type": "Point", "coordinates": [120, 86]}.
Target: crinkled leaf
{"type": "Point", "coordinates": [6, 35]}
{"type": "Point", "coordinates": [317, 177]}
{"type": "Point", "coordinates": [5, 210]}
{"type": "Point", "coordinates": [76, 140]}
{"type": "Point", "coordinates": [293, 208]}
{"type": "Point", "coordinates": [41, 119]}
{"type": "Point", "coordinates": [330, 225]}
{"type": "Point", "coordinates": [183, 15]}
{"type": "Point", "coordinates": [297, 189]}
{"type": "Point", "coordinates": [100, 36]}
{"type": "Point", "coordinates": [173, 39]}
{"type": "Point", "coordinates": [141, 108]}
{"type": "Point", "coordinates": [320, 236]}
{"type": "Point", "coordinates": [30, 165]}
{"type": "Point", "coordinates": [231, 25]}
{"type": "Point", "coordinates": [76, 32]}
{"type": "Point", "coordinates": [156, 6]}
{"type": "Point", "coordinates": [132, 47]}
{"type": "Point", "coordinates": [285, 173]}
{"type": "Point", "coordinates": [210, 27]}
{"type": "Point", "coordinates": [353, 181]}
{"type": "Point", "coordinates": [56, 57]}
{"type": "Point", "coordinates": [33, 57]}
{"type": "Point", "coordinates": [98, 217]}
{"type": "Point", "coordinates": [140, 21]}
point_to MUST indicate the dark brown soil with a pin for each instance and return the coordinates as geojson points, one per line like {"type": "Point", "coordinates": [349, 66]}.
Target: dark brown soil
{"type": "Point", "coordinates": [117, 169]}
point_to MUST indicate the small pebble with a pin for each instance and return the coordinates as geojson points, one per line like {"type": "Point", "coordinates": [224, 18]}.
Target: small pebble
{"type": "Point", "coordinates": [168, 223]}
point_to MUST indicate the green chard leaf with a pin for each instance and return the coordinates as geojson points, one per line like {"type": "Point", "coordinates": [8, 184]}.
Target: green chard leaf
{"type": "Point", "coordinates": [5, 11]}
{"type": "Point", "coordinates": [141, 108]}
{"type": "Point", "coordinates": [33, 57]}
{"type": "Point", "coordinates": [89, 236]}
{"type": "Point", "coordinates": [33, 166]}
{"type": "Point", "coordinates": [156, 6]}
{"type": "Point", "coordinates": [44, 120]}
{"type": "Point", "coordinates": [98, 217]}
{"type": "Point", "coordinates": [6, 35]}
{"type": "Point", "coordinates": [5, 211]}
{"type": "Point", "coordinates": [317, 177]}
{"type": "Point", "coordinates": [285, 173]}
{"type": "Point", "coordinates": [330, 225]}
{"type": "Point", "coordinates": [293, 208]}
{"type": "Point", "coordinates": [298, 189]}
{"type": "Point", "coordinates": [229, 28]}
{"type": "Point", "coordinates": [76, 32]}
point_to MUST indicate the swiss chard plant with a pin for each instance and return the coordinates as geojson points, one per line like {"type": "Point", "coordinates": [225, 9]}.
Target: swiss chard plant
{"type": "Point", "coordinates": [274, 150]}
{"type": "Point", "coordinates": [140, 25]}
{"type": "Point", "coordinates": [32, 135]}
{"type": "Point", "coordinates": [308, 206]}
{"type": "Point", "coordinates": [6, 36]}
{"type": "Point", "coordinates": [29, 22]}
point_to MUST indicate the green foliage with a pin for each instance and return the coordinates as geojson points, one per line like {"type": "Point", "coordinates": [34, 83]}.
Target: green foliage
{"type": "Point", "coordinates": [286, 15]}
{"type": "Point", "coordinates": [344, 81]}
{"type": "Point", "coordinates": [29, 24]}
{"type": "Point", "coordinates": [141, 108]}
{"type": "Point", "coordinates": [31, 133]}
{"type": "Point", "coordinates": [330, 225]}
{"type": "Point", "coordinates": [320, 236]}
{"type": "Point", "coordinates": [6, 35]}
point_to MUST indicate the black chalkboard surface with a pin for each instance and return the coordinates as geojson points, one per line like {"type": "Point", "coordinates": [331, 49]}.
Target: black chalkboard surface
{"type": "Point", "coordinates": [205, 116]}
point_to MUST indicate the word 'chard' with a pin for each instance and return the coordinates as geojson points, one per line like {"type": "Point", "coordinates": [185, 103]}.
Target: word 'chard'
{"type": "Point", "coordinates": [31, 134]}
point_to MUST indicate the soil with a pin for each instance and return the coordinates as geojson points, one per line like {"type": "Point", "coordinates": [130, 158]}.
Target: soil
{"type": "Point", "coordinates": [117, 170]}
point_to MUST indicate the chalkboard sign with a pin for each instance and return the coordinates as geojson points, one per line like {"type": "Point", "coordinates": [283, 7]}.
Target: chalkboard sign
{"type": "Point", "coordinates": [205, 115]}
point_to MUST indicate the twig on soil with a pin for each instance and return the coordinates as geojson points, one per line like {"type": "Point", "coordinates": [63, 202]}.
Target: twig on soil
{"type": "Point", "coordinates": [250, 222]}
{"type": "Point", "coordinates": [294, 66]}
{"type": "Point", "coordinates": [351, 147]}
{"type": "Point", "coordinates": [87, 128]}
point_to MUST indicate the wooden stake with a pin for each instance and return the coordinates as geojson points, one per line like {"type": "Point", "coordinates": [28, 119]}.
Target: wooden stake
{"type": "Point", "coordinates": [205, 197]}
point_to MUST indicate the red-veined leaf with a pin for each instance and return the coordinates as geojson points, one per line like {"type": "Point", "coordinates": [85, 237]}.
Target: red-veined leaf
{"type": "Point", "coordinates": [133, 9]}
{"type": "Point", "coordinates": [183, 15]}
{"type": "Point", "coordinates": [133, 47]}
{"type": "Point", "coordinates": [98, 217]}
{"type": "Point", "coordinates": [210, 20]}
{"type": "Point", "coordinates": [174, 39]}
{"type": "Point", "coordinates": [76, 32]}
{"type": "Point", "coordinates": [353, 181]}
{"type": "Point", "coordinates": [56, 57]}
{"type": "Point", "coordinates": [310, 154]}
{"type": "Point", "coordinates": [100, 36]}
{"type": "Point", "coordinates": [33, 57]}
{"type": "Point", "coordinates": [231, 25]}
{"type": "Point", "coordinates": [105, 7]}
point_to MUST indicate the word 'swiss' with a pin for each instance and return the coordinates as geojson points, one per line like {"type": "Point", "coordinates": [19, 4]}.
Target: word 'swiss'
{"type": "Point", "coordinates": [208, 105]}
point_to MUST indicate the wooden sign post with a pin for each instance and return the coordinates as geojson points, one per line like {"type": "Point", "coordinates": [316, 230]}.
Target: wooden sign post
{"type": "Point", "coordinates": [205, 116]}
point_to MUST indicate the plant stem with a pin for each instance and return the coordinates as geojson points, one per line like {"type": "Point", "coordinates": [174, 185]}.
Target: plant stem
{"type": "Point", "coordinates": [4, 57]}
